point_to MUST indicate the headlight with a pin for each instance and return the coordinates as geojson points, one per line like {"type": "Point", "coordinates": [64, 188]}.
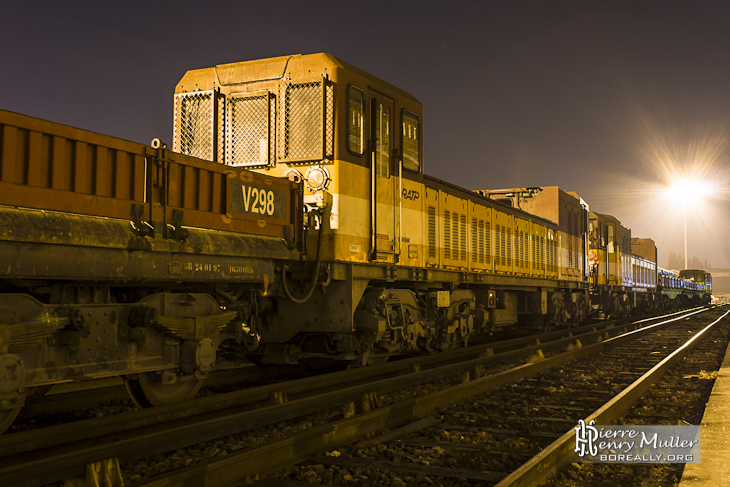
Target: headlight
{"type": "Point", "coordinates": [317, 178]}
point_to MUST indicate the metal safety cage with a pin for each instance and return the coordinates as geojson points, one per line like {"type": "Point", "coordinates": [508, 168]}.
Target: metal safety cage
{"type": "Point", "coordinates": [307, 121]}
{"type": "Point", "coordinates": [198, 116]}
{"type": "Point", "coordinates": [251, 129]}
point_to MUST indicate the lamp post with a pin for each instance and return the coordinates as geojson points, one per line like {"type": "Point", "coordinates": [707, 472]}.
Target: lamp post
{"type": "Point", "coordinates": [689, 192]}
{"type": "Point", "coordinates": [684, 208]}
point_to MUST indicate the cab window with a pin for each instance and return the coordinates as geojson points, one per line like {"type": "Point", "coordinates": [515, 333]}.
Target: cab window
{"type": "Point", "coordinates": [411, 154]}
{"type": "Point", "coordinates": [355, 127]}
{"type": "Point", "coordinates": [382, 140]}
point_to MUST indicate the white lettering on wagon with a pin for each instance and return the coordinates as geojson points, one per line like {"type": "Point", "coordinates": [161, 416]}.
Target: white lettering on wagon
{"type": "Point", "coordinates": [239, 270]}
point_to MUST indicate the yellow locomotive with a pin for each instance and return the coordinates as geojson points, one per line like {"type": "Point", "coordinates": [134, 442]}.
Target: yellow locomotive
{"type": "Point", "coordinates": [404, 261]}
{"type": "Point", "coordinates": [292, 221]}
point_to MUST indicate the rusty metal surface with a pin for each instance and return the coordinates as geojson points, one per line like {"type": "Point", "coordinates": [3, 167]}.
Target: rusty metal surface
{"type": "Point", "coordinates": [38, 244]}
{"type": "Point", "coordinates": [50, 166]}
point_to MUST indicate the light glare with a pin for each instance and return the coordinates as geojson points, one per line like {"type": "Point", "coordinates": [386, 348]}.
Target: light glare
{"type": "Point", "coordinates": [689, 191]}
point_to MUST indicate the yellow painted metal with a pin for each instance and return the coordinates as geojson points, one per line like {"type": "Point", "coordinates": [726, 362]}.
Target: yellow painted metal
{"type": "Point", "coordinates": [418, 223]}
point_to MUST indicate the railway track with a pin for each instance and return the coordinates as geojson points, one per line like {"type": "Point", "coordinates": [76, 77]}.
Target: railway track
{"type": "Point", "coordinates": [678, 398]}
{"type": "Point", "coordinates": [80, 400]}
{"type": "Point", "coordinates": [67, 450]}
{"type": "Point", "coordinates": [83, 400]}
{"type": "Point", "coordinates": [516, 435]}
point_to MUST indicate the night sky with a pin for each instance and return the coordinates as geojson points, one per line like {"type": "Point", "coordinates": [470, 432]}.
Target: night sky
{"type": "Point", "coordinates": [608, 99]}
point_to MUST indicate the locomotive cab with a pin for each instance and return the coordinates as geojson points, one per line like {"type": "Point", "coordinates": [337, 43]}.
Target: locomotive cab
{"type": "Point", "coordinates": [353, 139]}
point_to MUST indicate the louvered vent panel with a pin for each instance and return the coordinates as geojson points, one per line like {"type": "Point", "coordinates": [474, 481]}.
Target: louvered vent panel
{"type": "Point", "coordinates": [508, 245]}
{"type": "Point", "coordinates": [481, 242]}
{"type": "Point", "coordinates": [432, 232]}
{"type": "Point", "coordinates": [496, 245]}
{"type": "Point", "coordinates": [462, 219]}
{"type": "Point", "coordinates": [488, 239]}
{"type": "Point", "coordinates": [455, 236]}
{"type": "Point", "coordinates": [569, 242]}
{"type": "Point", "coordinates": [521, 257]}
{"type": "Point", "coordinates": [447, 234]}
{"type": "Point", "coordinates": [474, 241]}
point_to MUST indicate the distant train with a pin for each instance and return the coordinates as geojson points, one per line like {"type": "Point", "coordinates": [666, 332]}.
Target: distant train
{"type": "Point", "coordinates": [622, 271]}
{"type": "Point", "coordinates": [291, 221]}
{"type": "Point", "coordinates": [625, 275]}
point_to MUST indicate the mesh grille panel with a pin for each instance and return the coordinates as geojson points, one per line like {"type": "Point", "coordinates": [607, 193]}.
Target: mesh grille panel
{"type": "Point", "coordinates": [248, 130]}
{"type": "Point", "coordinates": [221, 122]}
{"type": "Point", "coordinates": [329, 129]}
{"type": "Point", "coordinates": [195, 124]}
{"type": "Point", "coordinates": [307, 128]}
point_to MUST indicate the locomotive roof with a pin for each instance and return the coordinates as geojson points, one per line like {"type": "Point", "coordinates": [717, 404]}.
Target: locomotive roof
{"type": "Point", "coordinates": [271, 69]}
{"type": "Point", "coordinates": [476, 197]}
{"type": "Point", "coordinates": [611, 218]}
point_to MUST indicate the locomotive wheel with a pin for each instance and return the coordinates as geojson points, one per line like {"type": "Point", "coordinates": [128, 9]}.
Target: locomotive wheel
{"type": "Point", "coordinates": [7, 416]}
{"type": "Point", "coordinates": [147, 390]}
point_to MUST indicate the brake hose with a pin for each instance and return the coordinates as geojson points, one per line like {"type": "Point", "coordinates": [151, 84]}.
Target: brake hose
{"type": "Point", "coordinates": [315, 275]}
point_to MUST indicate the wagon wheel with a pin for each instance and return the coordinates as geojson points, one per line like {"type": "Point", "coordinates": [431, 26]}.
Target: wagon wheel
{"type": "Point", "coordinates": [7, 416]}
{"type": "Point", "coordinates": [147, 390]}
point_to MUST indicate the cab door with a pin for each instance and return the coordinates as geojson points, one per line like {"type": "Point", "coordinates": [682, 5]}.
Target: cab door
{"type": "Point", "coordinates": [383, 180]}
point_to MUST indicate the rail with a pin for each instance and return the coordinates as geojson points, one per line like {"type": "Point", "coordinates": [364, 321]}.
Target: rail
{"type": "Point", "coordinates": [140, 434]}
{"type": "Point", "coordinates": [561, 452]}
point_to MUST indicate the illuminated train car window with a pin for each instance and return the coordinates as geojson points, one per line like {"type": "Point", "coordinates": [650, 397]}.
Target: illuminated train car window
{"type": "Point", "coordinates": [356, 128]}
{"type": "Point", "coordinates": [411, 154]}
